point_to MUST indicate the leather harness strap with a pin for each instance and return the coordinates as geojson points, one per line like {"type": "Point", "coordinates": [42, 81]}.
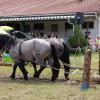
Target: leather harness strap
{"type": "Point", "coordinates": [20, 52]}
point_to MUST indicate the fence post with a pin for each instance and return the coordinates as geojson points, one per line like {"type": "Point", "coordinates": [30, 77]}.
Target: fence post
{"type": "Point", "coordinates": [86, 70]}
{"type": "Point", "coordinates": [99, 61]}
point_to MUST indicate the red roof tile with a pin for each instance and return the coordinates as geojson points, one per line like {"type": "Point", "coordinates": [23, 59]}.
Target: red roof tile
{"type": "Point", "coordinates": [30, 7]}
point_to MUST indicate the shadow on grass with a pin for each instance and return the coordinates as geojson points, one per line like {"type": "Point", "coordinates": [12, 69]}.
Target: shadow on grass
{"type": "Point", "coordinates": [6, 79]}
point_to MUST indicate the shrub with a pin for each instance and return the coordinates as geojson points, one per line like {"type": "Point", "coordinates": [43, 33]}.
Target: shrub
{"type": "Point", "coordinates": [78, 39]}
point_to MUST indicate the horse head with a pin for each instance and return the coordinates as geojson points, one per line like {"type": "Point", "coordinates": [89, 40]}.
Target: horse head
{"type": "Point", "coordinates": [5, 39]}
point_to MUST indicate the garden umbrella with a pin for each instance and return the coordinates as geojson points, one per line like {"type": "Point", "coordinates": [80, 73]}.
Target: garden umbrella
{"type": "Point", "coordinates": [2, 32]}
{"type": "Point", "coordinates": [6, 28]}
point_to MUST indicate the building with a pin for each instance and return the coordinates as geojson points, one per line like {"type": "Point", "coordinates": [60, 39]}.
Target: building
{"type": "Point", "coordinates": [49, 16]}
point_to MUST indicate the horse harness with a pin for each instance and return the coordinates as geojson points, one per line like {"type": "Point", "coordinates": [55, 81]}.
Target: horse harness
{"type": "Point", "coordinates": [20, 53]}
{"type": "Point", "coordinates": [10, 42]}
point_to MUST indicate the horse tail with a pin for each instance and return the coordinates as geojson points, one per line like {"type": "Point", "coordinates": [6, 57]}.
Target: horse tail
{"type": "Point", "coordinates": [66, 53]}
{"type": "Point", "coordinates": [65, 58]}
{"type": "Point", "coordinates": [56, 64]}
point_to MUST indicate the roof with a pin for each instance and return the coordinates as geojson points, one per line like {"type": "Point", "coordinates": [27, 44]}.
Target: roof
{"type": "Point", "coordinates": [34, 7]}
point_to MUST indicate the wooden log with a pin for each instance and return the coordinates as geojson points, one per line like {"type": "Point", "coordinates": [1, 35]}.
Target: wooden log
{"type": "Point", "coordinates": [86, 70]}
{"type": "Point", "coordinates": [6, 64]}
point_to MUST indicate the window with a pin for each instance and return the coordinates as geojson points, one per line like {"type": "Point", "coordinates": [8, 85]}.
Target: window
{"type": "Point", "coordinates": [39, 26]}
{"type": "Point", "coordinates": [91, 24]}
{"type": "Point", "coordinates": [54, 27]}
{"type": "Point", "coordinates": [88, 25]}
{"type": "Point", "coordinates": [27, 28]}
{"type": "Point", "coordinates": [68, 26]}
{"type": "Point", "coordinates": [85, 25]}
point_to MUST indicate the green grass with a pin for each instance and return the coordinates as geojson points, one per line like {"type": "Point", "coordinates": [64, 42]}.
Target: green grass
{"type": "Point", "coordinates": [6, 58]}
{"type": "Point", "coordinates": [44, 89]}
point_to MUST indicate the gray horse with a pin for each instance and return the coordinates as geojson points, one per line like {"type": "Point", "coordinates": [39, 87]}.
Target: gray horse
{"type": "Point", "coordinates": [31, 50]}
{"type": "Point", "coordinates": [59, 47]}
{"type": "Point", "coordinates": [62, 50]}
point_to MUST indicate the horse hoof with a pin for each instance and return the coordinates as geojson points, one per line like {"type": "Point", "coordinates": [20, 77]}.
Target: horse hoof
{"type": "Point", "coordinates": [36, 79]}
{"type": "Point", "coordinates": [12, 77]}
{"type": "Point", "coordinates": [66, 79]}
{"type": "Point", "coordinates": [26, 78]}
{"type": "Point", "coordinates": [53, 79]}
{"type": "Point", "coordinates": [35, 76]}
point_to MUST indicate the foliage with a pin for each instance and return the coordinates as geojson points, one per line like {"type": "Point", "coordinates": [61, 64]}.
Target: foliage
{"type": "Point", "coordinates": [78, 39]}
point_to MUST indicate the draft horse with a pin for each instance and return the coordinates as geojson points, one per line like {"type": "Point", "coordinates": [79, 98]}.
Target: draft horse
{"type": "Point", "coordinates": [31, 50]}
{"type": "Point", "coordinates": [61, 49]}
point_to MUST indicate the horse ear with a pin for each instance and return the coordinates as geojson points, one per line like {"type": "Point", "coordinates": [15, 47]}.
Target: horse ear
{"type": "Point", "coordinates": [2, 32]}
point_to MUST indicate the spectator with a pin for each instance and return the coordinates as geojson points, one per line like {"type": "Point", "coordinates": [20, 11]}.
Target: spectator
{"type": "Point", "coordinates": [87, 33]}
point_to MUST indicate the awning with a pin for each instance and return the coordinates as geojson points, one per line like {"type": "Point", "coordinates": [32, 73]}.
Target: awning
{"type": "Point", "coordinates": [43, 17]}
{"type": "Point", "coordinates": [28, 18]}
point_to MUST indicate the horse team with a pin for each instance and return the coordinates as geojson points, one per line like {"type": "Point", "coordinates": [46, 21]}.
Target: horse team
{"type": "Point", "coordinates": [37, 51]}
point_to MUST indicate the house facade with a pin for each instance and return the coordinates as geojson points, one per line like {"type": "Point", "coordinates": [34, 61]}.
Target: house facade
{"type": "Point", "coordinates": [50, 17]}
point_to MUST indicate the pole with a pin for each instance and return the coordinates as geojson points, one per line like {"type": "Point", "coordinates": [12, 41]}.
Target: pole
{"type": "Point", "coordinates": [99, 61]}
{"type": "Point", "coordinates": [86, 70]}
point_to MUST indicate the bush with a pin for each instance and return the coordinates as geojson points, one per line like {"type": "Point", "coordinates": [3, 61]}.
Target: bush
{"type": "Point", "coordinates": [78, 39]}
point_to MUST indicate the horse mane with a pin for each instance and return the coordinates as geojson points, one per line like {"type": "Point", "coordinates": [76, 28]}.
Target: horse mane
{"type": "Point", "coordinates": [19, 34]}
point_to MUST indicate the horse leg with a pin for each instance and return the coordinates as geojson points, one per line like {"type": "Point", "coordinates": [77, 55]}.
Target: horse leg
{"type": "Point", "coordinates": [66, 61]}
{"type": "Point", "coordinates": [41, 69]}
{"type": "Point", "coordinates": [35, 70]}
{"type": "Point", "coordinates": [14, 71]}
{"type": "Point", "coordinates": [23, 70]}
{"type": "Point", "coordinates": [55, 71]}
{"type": "Point", "coordinates": [56, 64]}
{"type": "Point", "coordinates": [66, 73]}
{"type": "Point", "coordinates": [36, 75]}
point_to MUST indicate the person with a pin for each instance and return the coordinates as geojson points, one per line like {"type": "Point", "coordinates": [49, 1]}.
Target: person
{"type": "Point", "coordinates": [34, 35]}
{"type": "Point", "coordinates": [90, 39]}
{"type": "Point", "coordinates": [87, 33]}
{"type": "Point", "coordinates": [45, 36]}
{"type": "Point", "coordinates": [41, 35]}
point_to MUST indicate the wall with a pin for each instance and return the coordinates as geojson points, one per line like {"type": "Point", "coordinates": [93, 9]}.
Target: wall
{"type": "Point", "coordinates": [98, 26]}
{"type": "Point", "coordinates": [61, 27]}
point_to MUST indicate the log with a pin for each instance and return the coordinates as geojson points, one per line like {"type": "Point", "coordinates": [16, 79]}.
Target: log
{"type": "Point", "coordinates": [6, 64]}
{"type": "Point", "coordinates": [86, 70]}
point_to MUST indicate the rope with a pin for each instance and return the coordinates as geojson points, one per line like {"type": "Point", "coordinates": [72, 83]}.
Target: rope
{"type": "Point", "coordinates": [65, 71]}
{"type": "Point", "coordinates": [78, 48]}
{"type": "Point", "coordinates": [75, 58]}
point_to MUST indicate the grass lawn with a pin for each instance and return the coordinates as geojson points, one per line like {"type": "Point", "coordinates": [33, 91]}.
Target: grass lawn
{"type": "Point", "coordinates": [6, 58]}
{"type": "Point", "coordinates": [43, 89]}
